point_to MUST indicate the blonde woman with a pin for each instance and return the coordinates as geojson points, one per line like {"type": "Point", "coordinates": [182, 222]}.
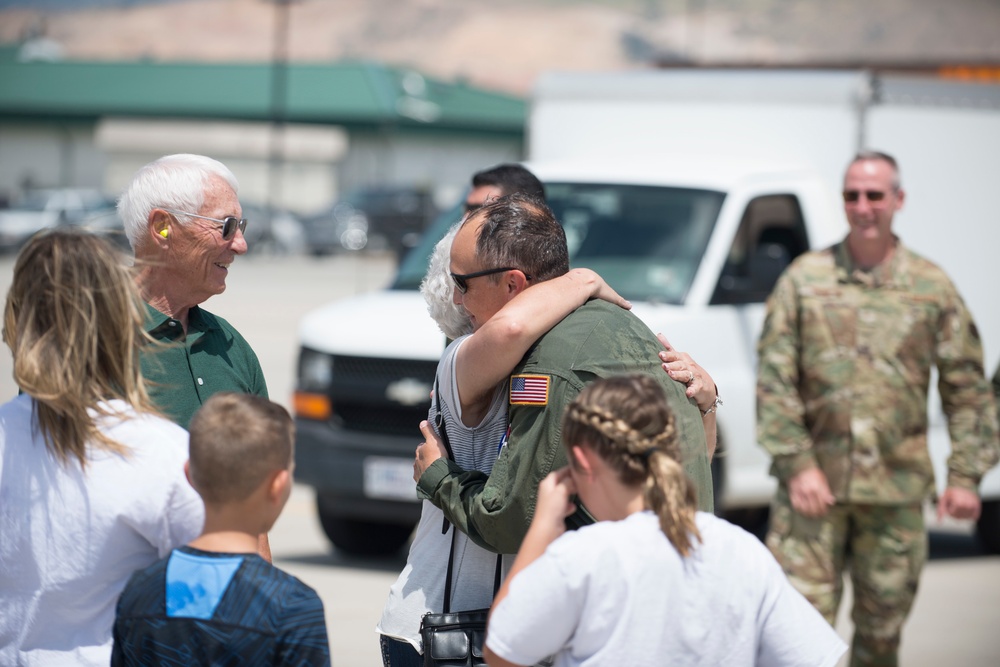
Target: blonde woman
{"type": "Point", "coordinates": [92, 483]}
{"type": "Point", "coordinates": [653, 581]}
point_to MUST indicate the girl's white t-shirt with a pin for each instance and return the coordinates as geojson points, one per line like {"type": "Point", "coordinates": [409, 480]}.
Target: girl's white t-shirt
{"type": "Point", "coordinates": [619, 593]}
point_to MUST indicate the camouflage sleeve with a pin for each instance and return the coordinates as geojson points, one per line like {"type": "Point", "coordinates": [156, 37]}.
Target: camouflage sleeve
{"type": "Point", "coordinates": [781, 428]}
{"type": "Point", "coordinates": [965, 395]}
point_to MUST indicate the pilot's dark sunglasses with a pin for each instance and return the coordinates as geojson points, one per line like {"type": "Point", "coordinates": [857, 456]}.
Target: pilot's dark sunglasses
{"type": "Point", "coordinates": [229, 224]}
{"type": "Point", "coordinates": [853, 196]}
{"type": "Point", "coordinates": [462, 278]}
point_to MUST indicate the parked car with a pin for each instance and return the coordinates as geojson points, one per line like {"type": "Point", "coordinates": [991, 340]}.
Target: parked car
{"type": "Point", "coordinates": [379, 217]}
{"type": "Point", "coordinates": [106, 222]}
{"type": "Point", "coordinates": [44, 208]}
{"type": "Point", "coordinates": [278, 231]}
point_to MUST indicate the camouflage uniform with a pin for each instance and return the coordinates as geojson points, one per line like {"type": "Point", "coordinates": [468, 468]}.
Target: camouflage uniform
{"type": "Point", "coordinates": [845, 359]}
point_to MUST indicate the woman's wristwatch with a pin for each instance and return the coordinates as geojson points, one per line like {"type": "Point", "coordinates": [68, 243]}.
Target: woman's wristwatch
{"type": "Point", "coordinates": [715, 404]}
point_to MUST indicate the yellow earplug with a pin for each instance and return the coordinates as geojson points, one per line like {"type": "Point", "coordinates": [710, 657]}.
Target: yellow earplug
{"type": "Point", "coordinates": [164, 233]}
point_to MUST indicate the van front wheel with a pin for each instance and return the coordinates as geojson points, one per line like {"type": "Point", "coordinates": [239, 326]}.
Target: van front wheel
{"type": "Point", "coordinates": [988, 526]}
{"type": "Point", "coordinates": [363, 538]}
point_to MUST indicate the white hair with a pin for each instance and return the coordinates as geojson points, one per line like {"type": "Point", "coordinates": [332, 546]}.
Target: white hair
{"type": "Point", "coordinates": [438, 288]}
{"type": "Point", "coordinates": [173, 181]}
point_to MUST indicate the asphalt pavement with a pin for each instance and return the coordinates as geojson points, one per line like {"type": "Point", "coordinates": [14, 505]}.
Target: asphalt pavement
{"type": "Point", "coordinates": [955, 620]}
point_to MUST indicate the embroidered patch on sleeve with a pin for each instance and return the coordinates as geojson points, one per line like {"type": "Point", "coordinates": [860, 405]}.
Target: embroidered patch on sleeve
{"type": "Point", "coordinates": [529, 390]}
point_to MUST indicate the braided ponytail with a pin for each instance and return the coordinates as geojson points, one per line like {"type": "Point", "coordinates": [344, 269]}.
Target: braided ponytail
{"type": "Point", "coordinates": [670, 494]}
{"type": "Point", "coordinates": [627, 422]}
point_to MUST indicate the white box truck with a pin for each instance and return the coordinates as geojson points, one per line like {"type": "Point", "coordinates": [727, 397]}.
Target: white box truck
{"type": "Point", "coordinates": [689, 191]}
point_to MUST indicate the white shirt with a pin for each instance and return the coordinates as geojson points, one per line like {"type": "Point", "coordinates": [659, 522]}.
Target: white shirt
{"type": "Point", "coordinates": [72, 537]}
{"type": "Point", "coordinates": [618, 593]}
{"type": "Point", "coordinates": [420, 586]}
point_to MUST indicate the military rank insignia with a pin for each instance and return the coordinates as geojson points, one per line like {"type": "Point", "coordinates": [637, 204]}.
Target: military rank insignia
{"type": "Point", "coordinates": [529, 389]}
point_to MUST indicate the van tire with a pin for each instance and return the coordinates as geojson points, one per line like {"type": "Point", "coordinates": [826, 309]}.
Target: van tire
{"type": "Point", "coordinates": [988, 526]}
{"type": "Point", "coordinates": [363, 538]}
{"type": "Point", "coordinates": [717, 479]}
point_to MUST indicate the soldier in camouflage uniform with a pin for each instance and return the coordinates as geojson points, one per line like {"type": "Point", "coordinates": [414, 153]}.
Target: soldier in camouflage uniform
{"type": "Point", "coordinates": [845, 357]}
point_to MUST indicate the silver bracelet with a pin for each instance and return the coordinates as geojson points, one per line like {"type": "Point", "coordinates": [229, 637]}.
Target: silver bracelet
{"type": "Point", "coordinates": [716, 404]}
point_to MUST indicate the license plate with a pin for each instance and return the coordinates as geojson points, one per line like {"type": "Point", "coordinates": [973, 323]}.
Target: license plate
{"type": "Point", "coordinates": [386, 477]}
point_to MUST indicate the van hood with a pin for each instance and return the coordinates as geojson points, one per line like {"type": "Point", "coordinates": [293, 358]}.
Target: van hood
{"type": "Point", "coordinates": [390, 324]}
{"type": "Point", "coordinates": [395, 324]}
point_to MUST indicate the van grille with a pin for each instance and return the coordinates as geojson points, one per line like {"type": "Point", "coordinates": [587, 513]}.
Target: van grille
{"type": "Point", "coordinates": [372, 369]}
{"type": "Point", "coordinates": [358, 394]}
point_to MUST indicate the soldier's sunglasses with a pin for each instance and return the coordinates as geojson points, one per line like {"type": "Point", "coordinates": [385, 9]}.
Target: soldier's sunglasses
{"type": "Point", "coordinates": [461, 279]}
{"type": "Point", "coordinates": [874, 196]}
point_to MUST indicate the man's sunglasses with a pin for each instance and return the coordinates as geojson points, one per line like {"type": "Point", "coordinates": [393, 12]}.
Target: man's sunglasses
{"type": "Point", "coordinates": [229, 224]}
{"type": "Point", "coordinates": [853, 196]}
{"type": "Point", "coordinates": [461, 279]}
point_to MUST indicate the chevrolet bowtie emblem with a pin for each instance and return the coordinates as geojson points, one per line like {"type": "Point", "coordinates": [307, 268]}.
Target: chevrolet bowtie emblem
{"type": "Point", "coordinates": [408, 391]}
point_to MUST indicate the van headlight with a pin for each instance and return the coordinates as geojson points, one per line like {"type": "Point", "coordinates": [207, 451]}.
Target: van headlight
{"type": "Point", "coordinates": [315, 370]}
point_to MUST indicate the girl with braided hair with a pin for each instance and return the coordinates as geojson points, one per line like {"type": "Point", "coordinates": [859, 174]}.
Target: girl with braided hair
{"type": "Point", "coordinates": [654, 581]}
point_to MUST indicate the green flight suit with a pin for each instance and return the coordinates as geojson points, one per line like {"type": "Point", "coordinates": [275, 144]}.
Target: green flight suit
{"type": "Point", "coordinates": [597, 340]}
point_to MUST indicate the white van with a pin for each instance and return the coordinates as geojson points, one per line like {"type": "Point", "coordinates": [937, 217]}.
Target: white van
{"type": "Point", "coordinates": [695, 246]}
{"type": "Point", "coordinates": [695, 240]}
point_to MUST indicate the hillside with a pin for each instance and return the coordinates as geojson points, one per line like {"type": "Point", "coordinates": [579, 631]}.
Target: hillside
{"type": "Point", "coordinates": [503, 44]}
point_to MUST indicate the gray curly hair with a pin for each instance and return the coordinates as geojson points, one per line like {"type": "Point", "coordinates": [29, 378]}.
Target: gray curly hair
{"type": "Point", "coordinates": [437, 289]}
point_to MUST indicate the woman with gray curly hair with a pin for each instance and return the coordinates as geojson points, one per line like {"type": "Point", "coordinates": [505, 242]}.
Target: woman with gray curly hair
{"type": "Point", "coordinates": [437, 288]}
{"type": "Point", "coordinates": [420, 587]}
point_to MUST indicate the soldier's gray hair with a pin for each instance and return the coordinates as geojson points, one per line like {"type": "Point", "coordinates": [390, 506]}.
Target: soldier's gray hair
{"type": "Point", "coordinates": [520, 231]}
{"type": "Point", "coordinates": [879, 156]}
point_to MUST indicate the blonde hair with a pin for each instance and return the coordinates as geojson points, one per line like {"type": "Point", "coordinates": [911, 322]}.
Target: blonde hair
{"type": "Point", "coordinates": [237, 440]}
{"type": "Point", "coordinates": [626, 421]}
{"type": "Point", "coordinates": [73, 321]}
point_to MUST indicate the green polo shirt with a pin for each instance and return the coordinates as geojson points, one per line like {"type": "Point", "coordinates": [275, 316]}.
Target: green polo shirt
{"type": "Point", "coordinates": [597, 340]}
{"type": "Point", "coordinates": [212, 357]}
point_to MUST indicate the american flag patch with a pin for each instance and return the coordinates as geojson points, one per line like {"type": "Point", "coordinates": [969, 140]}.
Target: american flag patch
{"type": "Point", "coordinates": [529, 390]}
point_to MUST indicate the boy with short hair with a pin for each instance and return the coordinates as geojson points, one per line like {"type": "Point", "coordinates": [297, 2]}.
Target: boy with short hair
{"type": "Point", "coordinates": [215, 600]}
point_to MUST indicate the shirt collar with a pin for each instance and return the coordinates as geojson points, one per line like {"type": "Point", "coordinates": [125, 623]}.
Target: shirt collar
{"type": "Point", "coordinates": [891, 274]}
{"type": "Point", "coordinates": [157, 322]}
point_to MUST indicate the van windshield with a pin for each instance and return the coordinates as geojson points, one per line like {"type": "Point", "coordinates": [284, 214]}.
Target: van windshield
{"type": "Point", "coordinates": [645, 241]}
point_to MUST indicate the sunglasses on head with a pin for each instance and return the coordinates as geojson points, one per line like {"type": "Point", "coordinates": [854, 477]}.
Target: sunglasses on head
{"type": "Point", "coordinates": [461, 279]}
{"type": "Point", "coordinates": [853, 196]}
{"type": "Point", "coordinates": [229, 224]}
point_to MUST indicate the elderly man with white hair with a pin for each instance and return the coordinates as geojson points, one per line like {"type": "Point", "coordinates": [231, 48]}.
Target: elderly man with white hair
{"type": "Point", "coordinates": [184, 222]}
{"type": "Point", "coordinates": [185, 225]}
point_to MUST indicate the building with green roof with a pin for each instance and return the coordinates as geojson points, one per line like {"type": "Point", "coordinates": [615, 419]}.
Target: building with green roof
{"type": "Point", "coordinates": [337, 126]}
